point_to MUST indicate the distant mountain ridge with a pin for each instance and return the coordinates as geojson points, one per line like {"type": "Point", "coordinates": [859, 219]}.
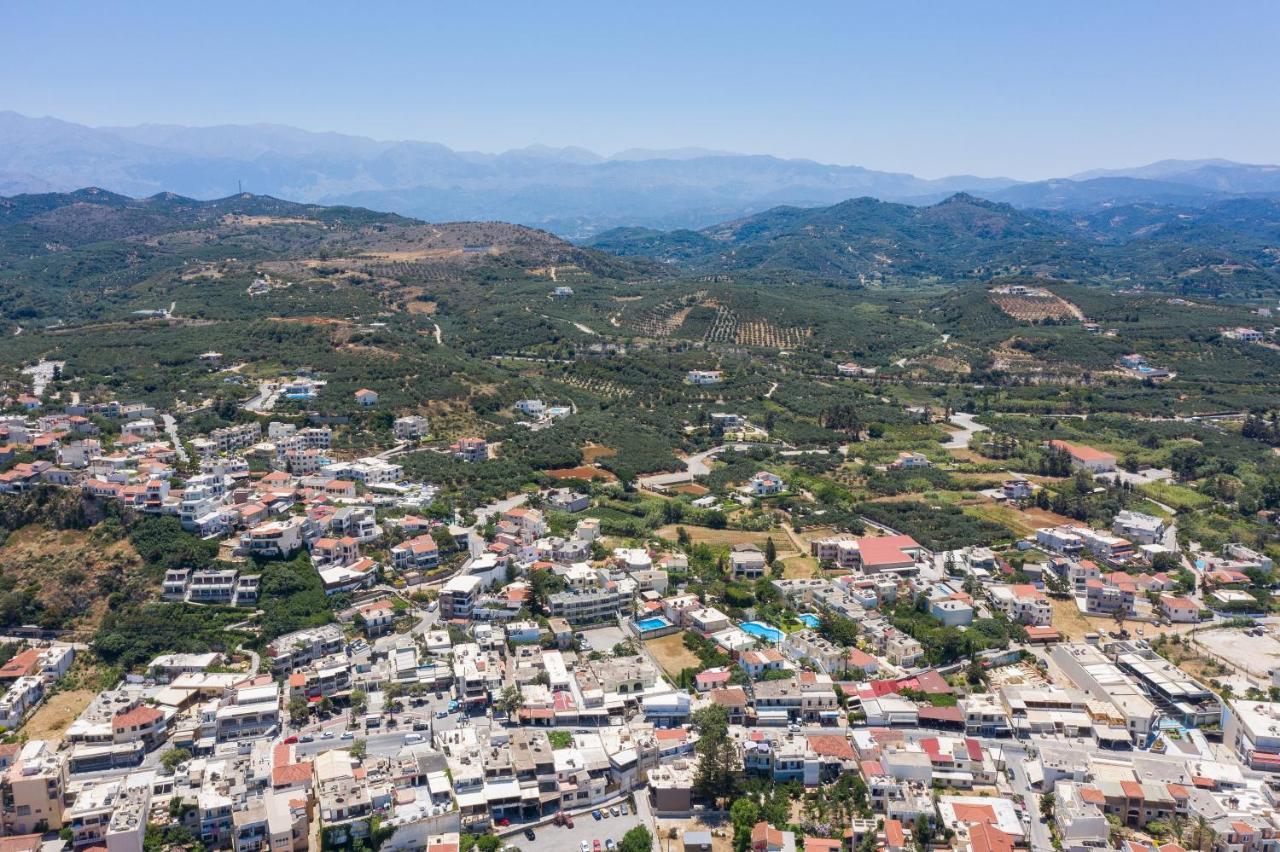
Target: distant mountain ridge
{"type": "Point", "coordinates": [570, 191]}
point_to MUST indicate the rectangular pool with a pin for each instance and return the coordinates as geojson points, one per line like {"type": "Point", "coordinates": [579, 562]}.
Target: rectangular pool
{"type": "Point", "coordinates": [810, 620]}
{"type": "Point", "coordinates": [655, 623]}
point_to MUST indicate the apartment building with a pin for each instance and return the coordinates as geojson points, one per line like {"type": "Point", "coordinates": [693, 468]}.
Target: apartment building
{"type": "Point", "coordinates": [589, 606]}
{"type": "Point", "coordinates": [1022, 604]}
{"type": "Point", "coordinates": [459, 595]}
{"type": "Point", "coordinates": [33, 790]}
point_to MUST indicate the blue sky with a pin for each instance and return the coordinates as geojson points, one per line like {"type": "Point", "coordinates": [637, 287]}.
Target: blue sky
{"type": "Point", "coordinates": [1024, 89]}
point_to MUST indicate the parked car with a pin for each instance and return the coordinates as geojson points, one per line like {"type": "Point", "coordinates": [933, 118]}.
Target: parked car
{"type": "Point", "coordinates": [568, 821]}
{"type": "Point", "coordinates": [529, 835]}
{"type": "Point", "coordinates": [440, 714]}
{"type": "Point", "coordinates": [586, 847]}
{"type": "Point", "coordinates": [327, 735]}
{"type": "Point", "coordinates": [614, 810]}
{"type": "Point", "coordinates": [595, 845]}
{"type": "Point", "coordinates": [596, 813]}
{"type": "Point", "coordinates": [624, 809]}
{"type": "Point", "coordinates": [306, 738]}
{"type": "Point", "coordinates": [609, 844]}
{"type": "Point", "coordinates": [504, 822]}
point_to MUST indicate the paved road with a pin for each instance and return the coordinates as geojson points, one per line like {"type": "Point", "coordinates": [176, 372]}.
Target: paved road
{"type": "Point", "coordinates": [264, 400]}
{"type": "Point", "coordinates": [968, 428]}
{"type": "Point", "coordinates": [171, 429]}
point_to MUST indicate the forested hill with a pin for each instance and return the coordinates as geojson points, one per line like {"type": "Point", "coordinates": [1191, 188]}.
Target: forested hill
{"type": "Point", "coordinates": [93, 254]}
{"type": "Point", "coordinates": [1228, 247]}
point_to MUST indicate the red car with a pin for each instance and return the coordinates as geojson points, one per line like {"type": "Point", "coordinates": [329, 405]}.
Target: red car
{"type": "Point", "coordinates": [504, 822]}
{"type": "Point", "coordinates": [291, 740]}
{"type": "Point", "coordinates": [568, 821]}
{"type": "Point", "coordinates": [595, 845]}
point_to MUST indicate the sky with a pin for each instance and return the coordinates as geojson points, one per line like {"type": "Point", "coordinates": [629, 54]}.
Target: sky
{"type": "Point", "coordinates": [1024, 90]}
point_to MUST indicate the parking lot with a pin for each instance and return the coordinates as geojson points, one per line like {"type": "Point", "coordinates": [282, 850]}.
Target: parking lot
{"type": "Point", "coordinates": [1257, 655]}
{"type": "Point", "coordinates": [585, 827]}
{"type": "Point", "coordinates": [603, 638]}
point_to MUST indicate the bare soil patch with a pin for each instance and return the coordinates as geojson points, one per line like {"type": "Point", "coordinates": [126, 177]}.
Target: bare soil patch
{"type": "Point", "coordinates": [52, 719]}
{"type": "Point", "coordinates": [591, 453]}
{"type": "Point", "coordinates": [587, 472]}
{"type": "Point", "coordinates": [672, 655]}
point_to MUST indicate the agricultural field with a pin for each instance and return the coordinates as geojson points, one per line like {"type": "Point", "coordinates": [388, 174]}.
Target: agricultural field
{"type": "Point", "coordinates": [1034, 305]}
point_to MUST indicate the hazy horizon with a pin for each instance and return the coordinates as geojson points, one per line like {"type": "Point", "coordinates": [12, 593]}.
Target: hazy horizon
{"type": "Point", "coordinates": [982, 89]}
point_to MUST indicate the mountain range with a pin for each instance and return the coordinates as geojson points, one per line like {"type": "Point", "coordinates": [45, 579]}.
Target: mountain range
{"type": "Point", "coordinates": [570, 191]}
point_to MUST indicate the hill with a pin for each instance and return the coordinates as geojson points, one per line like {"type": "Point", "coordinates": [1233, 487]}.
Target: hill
{"type": "Point", "coordinates": [97, 254]}
{"type": "Point", "coordinates": [1223, 247]}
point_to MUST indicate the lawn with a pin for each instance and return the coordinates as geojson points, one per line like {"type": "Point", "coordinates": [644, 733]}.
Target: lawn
{"type": "Point", "coordinates": [799, 567]}
{"type": "Point", "coordinates": [1179, 497]}
{"type": "Point", "coordinates": [672, 655]}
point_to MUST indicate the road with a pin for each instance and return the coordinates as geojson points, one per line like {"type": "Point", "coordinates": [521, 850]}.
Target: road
{"type": "Point", "coordinates": [171, 429]}
{"type": "Point", "coordinates": [968, 428]}
{"type": "Point", "coordinates": [483, 513]}
{"type": "Point", "coordinates": [694, 465]}
{"type": "Point", "coordinates": [264, 400]}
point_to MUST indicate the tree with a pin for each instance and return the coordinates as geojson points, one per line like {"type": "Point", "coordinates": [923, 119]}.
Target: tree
{"type": "Point", "coordinates": [770, 550]}
{"type": "Point", "coordinates": [359, 702]}
{"type": "Point", "coordinates": [637, 839]}
{"type": "Point", "coordinates": [511, 701]}
{"type": "Point", "coordinates": [359, 748]}
{"type": "Point", "coordinates": [299, 709]}
{"type": "Point", "coordinates": [716, 777]}
{"type": "Point", "coordinates": [744, 813]}
{"type": "Point", "coordinates": [171, 758]}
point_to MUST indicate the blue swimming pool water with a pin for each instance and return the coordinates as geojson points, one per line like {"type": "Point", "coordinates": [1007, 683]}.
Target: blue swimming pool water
{"type": "Point", "coordinates": [655, 623]}
{"type": "Point", "coordinates": [760, 630]}
{"type": "Point", "coordinates": [810, 620]}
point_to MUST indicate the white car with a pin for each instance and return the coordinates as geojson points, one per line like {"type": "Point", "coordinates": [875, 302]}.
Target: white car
{"type": "Point", "coordinates": [327, 735]}
{"type": "Point", "coordinates": [586, 847]}
{"type": "Point", "coordinates": [348, 735]}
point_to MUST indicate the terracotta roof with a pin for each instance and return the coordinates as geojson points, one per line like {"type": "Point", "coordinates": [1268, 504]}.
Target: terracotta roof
{"type": "Point", "coordinates": [893, 833]}
{"type": "Point", "coordinates": [1131, 789]}
{"type": "Point", "coordinates": [290, 774]}
{"type": "Point", "coordinates": [974, 814]}
{"type": "Point", "coordinates": [139, 716]}
{"type": "Point", "coordinates": [830, 745]}
{"type": "Point", "coordinates": [765, 833]}
{"type": "Point", "coordinates": [1082, 452]}
{"type": "Point", "coordinates": [988, 838]}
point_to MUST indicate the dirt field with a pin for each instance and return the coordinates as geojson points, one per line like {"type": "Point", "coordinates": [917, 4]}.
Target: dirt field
{"type": "Point", "coordinates": [732, 537]}
{"type": "Point", "coordinates": [53, 717]}
{"type": "Point", "coordinates": [672, 655]}
{"type": "Point", "coordinates": [1073, 624]}
{"type": "Point", "coordinates": [592, 453]}
{"type": "Point", "coordinates": [693, 489]}
{"type": "Point", "coordinates": [1021, 521]}
{"type": "Point", "coordinates": [1256, 655]}
{"type": "Point", "coordinates": [587, 472]}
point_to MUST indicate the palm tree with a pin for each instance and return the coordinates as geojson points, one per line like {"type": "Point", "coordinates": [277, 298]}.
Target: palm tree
{"type": "Point", "coordinates": [1202, 836]}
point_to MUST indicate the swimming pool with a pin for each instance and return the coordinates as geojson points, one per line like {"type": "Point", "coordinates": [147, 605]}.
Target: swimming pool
{"type": "Point", "coordinates": [760, 630]}
{"type": "Point", "coordinates": [655, 623]}
{"type": "Point", "coordinates": [810, 620]}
